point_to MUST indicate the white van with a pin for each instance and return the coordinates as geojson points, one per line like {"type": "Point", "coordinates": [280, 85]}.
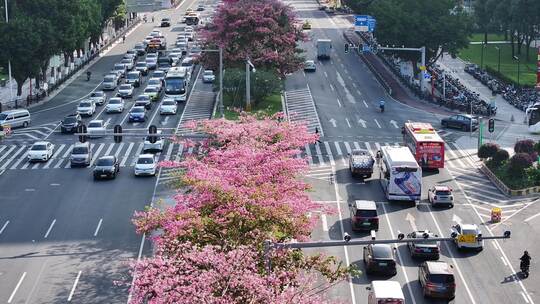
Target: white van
{"type": "Point", "coordinates": [15, 118]}
{"type": "Point", "coordinates": [385, 292]}
{"type": "Point", "coordinates": [400, 174]}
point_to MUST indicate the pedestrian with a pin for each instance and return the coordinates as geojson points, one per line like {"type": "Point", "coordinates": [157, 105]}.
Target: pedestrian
{"type": "Point", "coordinates": [317, 133]}
{"type": "Point", "coordinates": [46, 88]}
{"type": "Point", "coordinates": [124, 39]}
{"type": "Point", "coordinates": [152, 19]}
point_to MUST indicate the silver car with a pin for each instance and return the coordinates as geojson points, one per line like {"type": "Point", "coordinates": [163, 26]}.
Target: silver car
{"type": "Point", "coordinates": [157, 146]}
{"type": "Point", "coordinates": [168, 106]}
{"type": "Point", "coordinates": [86, 107]}
{"type": "Point", "coordinates": [81, 154]}
{"type": "Point", "coordinates": [441, 195]}
{"type": "Point", "coordinates": [110, 82]}
{"type": "Point", "coordinates": [98, 97]}
{"type": "Point", "coordinates": [115, 105]}
{"type": "Point", "coordinates": [125, 91]}
{"type": "Point", "coordinates": [96, 128]}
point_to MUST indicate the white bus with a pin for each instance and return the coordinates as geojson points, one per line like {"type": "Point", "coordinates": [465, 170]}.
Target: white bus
{"type": "Point", "coordinates": [400, 175]}
{"type": "Point", "coordinates": [177, 83]}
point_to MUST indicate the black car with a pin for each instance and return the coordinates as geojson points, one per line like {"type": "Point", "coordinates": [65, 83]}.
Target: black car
{"type": "Point", "coordinates": [380, 258]}
{"type": "Point", "coordinates": [364, 216]}
{"type": "Point", "coordinates": [106, 166]}
{"type": "Point", "coordinates": [144, 101]}
{"type": "Point", "coordinates": [460, 121]}
{"type": "Point", "coordinates": [70, 123]}
{"type": "Point", "coordinates": [141, 49]}
{"type": "Point", "coordinates": [428, 249]}
{"type": "Point", "coordinates": [165, 22]}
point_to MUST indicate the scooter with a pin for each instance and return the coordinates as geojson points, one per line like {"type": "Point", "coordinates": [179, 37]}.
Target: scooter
{"type": "Point", "coordinates": [524, 270]}
{"type": "Point", "coordinates": [88, 75]}
{"type": "Point", "coordinates": [382, 108]}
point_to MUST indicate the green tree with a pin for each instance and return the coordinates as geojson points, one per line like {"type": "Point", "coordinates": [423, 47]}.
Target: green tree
{"type": "Point", "coordinates": [439, 25]}
{"type": "Point", "coordinates": [484, 11]}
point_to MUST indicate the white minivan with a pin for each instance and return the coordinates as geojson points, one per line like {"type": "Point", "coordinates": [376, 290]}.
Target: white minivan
{"type": "Point", "coordinates": [15, 118]}
{"type": "Point", "coordinates": [387, 292]}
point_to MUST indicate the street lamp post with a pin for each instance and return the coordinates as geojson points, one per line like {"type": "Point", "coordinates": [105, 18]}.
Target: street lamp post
{"type": "Point", "coordinates": [517, 58]}
{"type": "Point", "coordinates": [482, 56]}
{"type": "Point", "coordinates": [9, 61]}
{"type": "Point", "coordinates": [499, 61]}
{"type": "Point", "coordinates": [248, 84]}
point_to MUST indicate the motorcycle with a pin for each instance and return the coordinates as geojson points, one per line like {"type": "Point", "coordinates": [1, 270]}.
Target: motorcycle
{"type": "Point", "coordinates": [88, 75]}
{"type": "Point", "coordinates": [382, 108]}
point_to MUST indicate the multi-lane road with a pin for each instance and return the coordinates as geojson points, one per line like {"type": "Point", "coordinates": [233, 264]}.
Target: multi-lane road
{"type": "Point", "coordinates": [341, 100]}
{"type": "Point", "coordinates": [64, 237]}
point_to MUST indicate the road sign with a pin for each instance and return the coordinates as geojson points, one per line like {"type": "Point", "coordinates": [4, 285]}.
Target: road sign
{"type": "Point", "coordinates": [364, 23]}
{"type": "Point", "coordinates": [152, 130]}
{"type": "Point", "coordinates": [427, 76]}
{"type": "Point", "coordinates": [346, 48]}
{"type": "Point", "coordinates": [82, 129]}
{"type": "Point", "coordinates": [366, 48]}
{"type": "Point", "coordinates": [422, 68]}
{"type": "Point", "coordinates": [117, 130]}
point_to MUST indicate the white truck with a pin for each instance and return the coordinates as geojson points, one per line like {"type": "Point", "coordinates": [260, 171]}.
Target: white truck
{"type": "Point", "coordinates": [324, 46]}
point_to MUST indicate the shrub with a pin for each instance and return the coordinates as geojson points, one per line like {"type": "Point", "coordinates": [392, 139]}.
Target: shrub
{"type": "Point", "coordinates": [537, 147]}
{"type": "Point", "coordinates": [488, 150]}
{"type": "Point", "coordinates": [518, 163]}
{"type": "Point", "coordinates": [524, 146]}
{"type": "Point", "coordinates": [534, 175]}
{"type": "Point", "coordinates": [500, 156]}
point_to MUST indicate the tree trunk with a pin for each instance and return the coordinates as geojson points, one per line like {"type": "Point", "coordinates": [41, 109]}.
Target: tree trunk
{"type": "Point", "coordinates": [78, 53]}
{"type": "Point", "coordinates": [66, 59]}
{"type": "Point", "coordinates": [20, 83]}
{"type": "Point", "coordinates": [512, 45]}
{"type": "Point", "coordinates": [38, 81]}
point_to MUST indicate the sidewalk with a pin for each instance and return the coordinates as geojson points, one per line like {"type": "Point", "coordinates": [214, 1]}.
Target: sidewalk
{"type": "Point", "coordinates": [505, 111]}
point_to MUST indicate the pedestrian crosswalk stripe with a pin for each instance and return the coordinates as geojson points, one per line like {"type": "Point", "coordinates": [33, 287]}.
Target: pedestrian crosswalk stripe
{"type": "Point", "coordinates": [327, 146]}
{"type": "Point", "coordinates": [139, 149]}
{"type": "Point", "coordinates": [117, 154]}
{"type": "Point", "coordinates": [169, 152]}
{"type": "Point", "coordinates": [308, 152]}
{"type": "Point", "coordinates": [319, 154]}
{"type": "Point", "coordinates": [124, 159]}
{"type": "Point", "coordinates": [19, 161]}
{"type": "Point", "coordinates": [96, 153]}
{"type": "Point", "coordinates": [179, 153]}
{"type": "Point", "coordinates": [7, 153]}
{"type": "Point", "coordinates": [13, 157]}
{"type": "Point", "coordinates": [109, 149]}
{"type": "Point", "coordinates": [55, 155]}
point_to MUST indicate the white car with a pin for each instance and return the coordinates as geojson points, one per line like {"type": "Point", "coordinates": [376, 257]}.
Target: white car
{"type": "Point", "coordinates": [40, 151]}
{"type": "Point", "coordinates": [154, 147]}
{"type": "Point", "coordinates": [155, 82]}
{"type": "Point", "coordinates": [115, 105]}
{"type": "Point", "coordinates": [86, 107]}
{"type": "Point", "coordinates": [168, 106]}
{"type": "Point", "coordinates": [98, 97]}
{"type": "Point", "coordinates": [96, 128]}
{"type": "Point", "coordinates": [148, 38]}
{"type": "Point", "coordinates": [128, 63]}
{"type": "Point", "coordinates": [121, 69]}
{"type": "Point", "coordinates": [466, 236]}
{"type": "Point", "coordinates": [188, 63]}
{"type": "Point", "coordinates": [208, 76]}
{"type": "Point", "coordinates": [146, 165]}
{"type": "Point", "coordinates": [125, 91]}
{"type": "Point", "coordinates": [151, 63]}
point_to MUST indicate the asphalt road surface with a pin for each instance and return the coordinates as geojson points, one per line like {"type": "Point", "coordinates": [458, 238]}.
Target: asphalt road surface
{"type": "Point", "coordinates": [63, 236]}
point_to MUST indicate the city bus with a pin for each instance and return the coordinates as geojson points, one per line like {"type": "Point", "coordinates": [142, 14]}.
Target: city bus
{"type": "Point", "coordinates": [399, 174]}
{"type": "Point", "coordinates": [533, 118]}
{"type": "Point", "coordinates": [176, 83]}
{"type": "Point", "coordinates": [425, 144]}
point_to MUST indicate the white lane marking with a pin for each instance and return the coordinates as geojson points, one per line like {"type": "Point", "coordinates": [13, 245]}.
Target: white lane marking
{"type": "Point", "coordinates": [29, 190]}
{"type": "Point", "coordinates": [55, 155]}
{"type": "Point", "coordinates": [120, 147]}
{"type": "Point", "coordinates": [137, 153]}
{"type": "Point", "coordinates": [452, 257]}
{"type": "Point", "coordinates": [169, 152]}
{"type": "Point", "coordinates": [98, 226]}
{"type": "Point", "coordinates": [377, 122]}
{"type": "Point", "coordinates": [532, 217]}
{"type": "Point", "coordinates": [348, 147]}
{"type": "Point", "coordinates": [13, 157]}
{"type": "Point", "coordinates": [340, 153]}
{"type": "Point", "coordinates": [325, 75]}
{"type": "Point", "coordinates": [365, 103]}
{"type": "Point", "coordinates": [332, 87]}
{"type": "Point", "coordinates": [96, 154]}
{"type": "Point", "coordinates": [36, 165]}
{"type": "Point", "coordinates": [4, 227]}
{"type": "Point", "coordinates": [329, 152]}
{"type": "Point", "coordinates": [368, 146]}
{"type": "Point", "coordinates": [524, 297]}
{"type": "Point", "coordinates": [7, 153]}
{"type": "Point", "coordinates": [360, 94]}
{"type": "Point", "coordinates": [109, 149]}
{"type": "Point", "coordinates": [347, 261]}
{"type": "Point", "coordinates": [126, 155]}
{"type": "Point", "coordinates": [17, 287]}
{"type": "Point", "coordinates": [324, 222]}
{"type": "Point", "coordinates": [52, 131]}
{"type": "Point", "coordinates": [504, 262]}
{"type": "Point", "coordinates": [19, 161]}
{"type": "Point", "coordinates": [348, 122]}
{"type": "Point", "coordinates": [319, 155]}
{"type": "Point", "coordinates": [74, 286]}
{"type": "Point", "coordinates": [377, 146]}
{"type": "Point", "coordinates": [401, 265]}
{"type": "Point", "coordinates": [308, 153]}
{"type": "Point", "coordinates": [54, 184]}
{"type": "Point", "coordinates": [68, 150]}
{"type": "Point", "coordinates": [50, 228]}
{"type": "Point", "coordinates": [339, 103]}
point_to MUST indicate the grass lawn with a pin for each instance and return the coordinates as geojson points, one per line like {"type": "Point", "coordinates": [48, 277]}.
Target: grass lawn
{"type": "Point", "coordinates": [491, 37]}
{"type": "Point", "coordinates": [269, 106]}
{"type": "Point", "coordinates": [508, 65]}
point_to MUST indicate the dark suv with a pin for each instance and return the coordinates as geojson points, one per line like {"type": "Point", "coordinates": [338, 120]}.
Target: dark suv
{"type": "Point", "coordinates": [70, 123]}
{"type": "Point", "coordinates": [364, 216]}
{"type": "Point", "coordinates": [380, 258]}
{"type": "Point", "coordinates": [437, 279]}
{"type": "Point", "coordinates": [165, 22]}
{"type": "Point", "coordinates": [460, 121]}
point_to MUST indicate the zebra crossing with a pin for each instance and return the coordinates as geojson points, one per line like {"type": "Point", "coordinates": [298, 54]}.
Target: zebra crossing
{"type": "Point", "coordinates": [199, 107]}
{"type": "Point", "coordinates": [300, 107]}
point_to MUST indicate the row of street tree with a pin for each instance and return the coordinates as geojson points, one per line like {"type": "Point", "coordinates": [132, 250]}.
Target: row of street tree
{"type": "Point", "coordinates": [242, 188]}
{"type": "Point", "coordinates": [40, 29]}
{"type": "Point", "coordinates": [518, 20]}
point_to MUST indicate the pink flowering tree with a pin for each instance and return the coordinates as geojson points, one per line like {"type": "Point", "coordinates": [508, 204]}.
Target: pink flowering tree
{"type": "Point", "coordinates": [242, 188]}
{"type": "Point", "coordinates": [266, 31]}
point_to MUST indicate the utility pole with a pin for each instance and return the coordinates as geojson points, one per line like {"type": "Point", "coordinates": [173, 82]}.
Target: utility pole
{"type": "Point", "coordinates": [221, 81]}
{"type": "Point", "coordinates": [248, 91]}
{"type": "Point", "coordinates": [9, 61]}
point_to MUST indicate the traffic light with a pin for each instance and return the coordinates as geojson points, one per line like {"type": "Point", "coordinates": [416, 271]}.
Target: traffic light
{"type": "Point", "coordinates": [117, 130]}
{"type": "Point", "coordinates": [152, 130]}
{"type": "Point", "coordinates": [82, 130]}
{"type": "Point", "coordinates": [491, 125]}
{"type": "Point", "coordinates": [346, 48]}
